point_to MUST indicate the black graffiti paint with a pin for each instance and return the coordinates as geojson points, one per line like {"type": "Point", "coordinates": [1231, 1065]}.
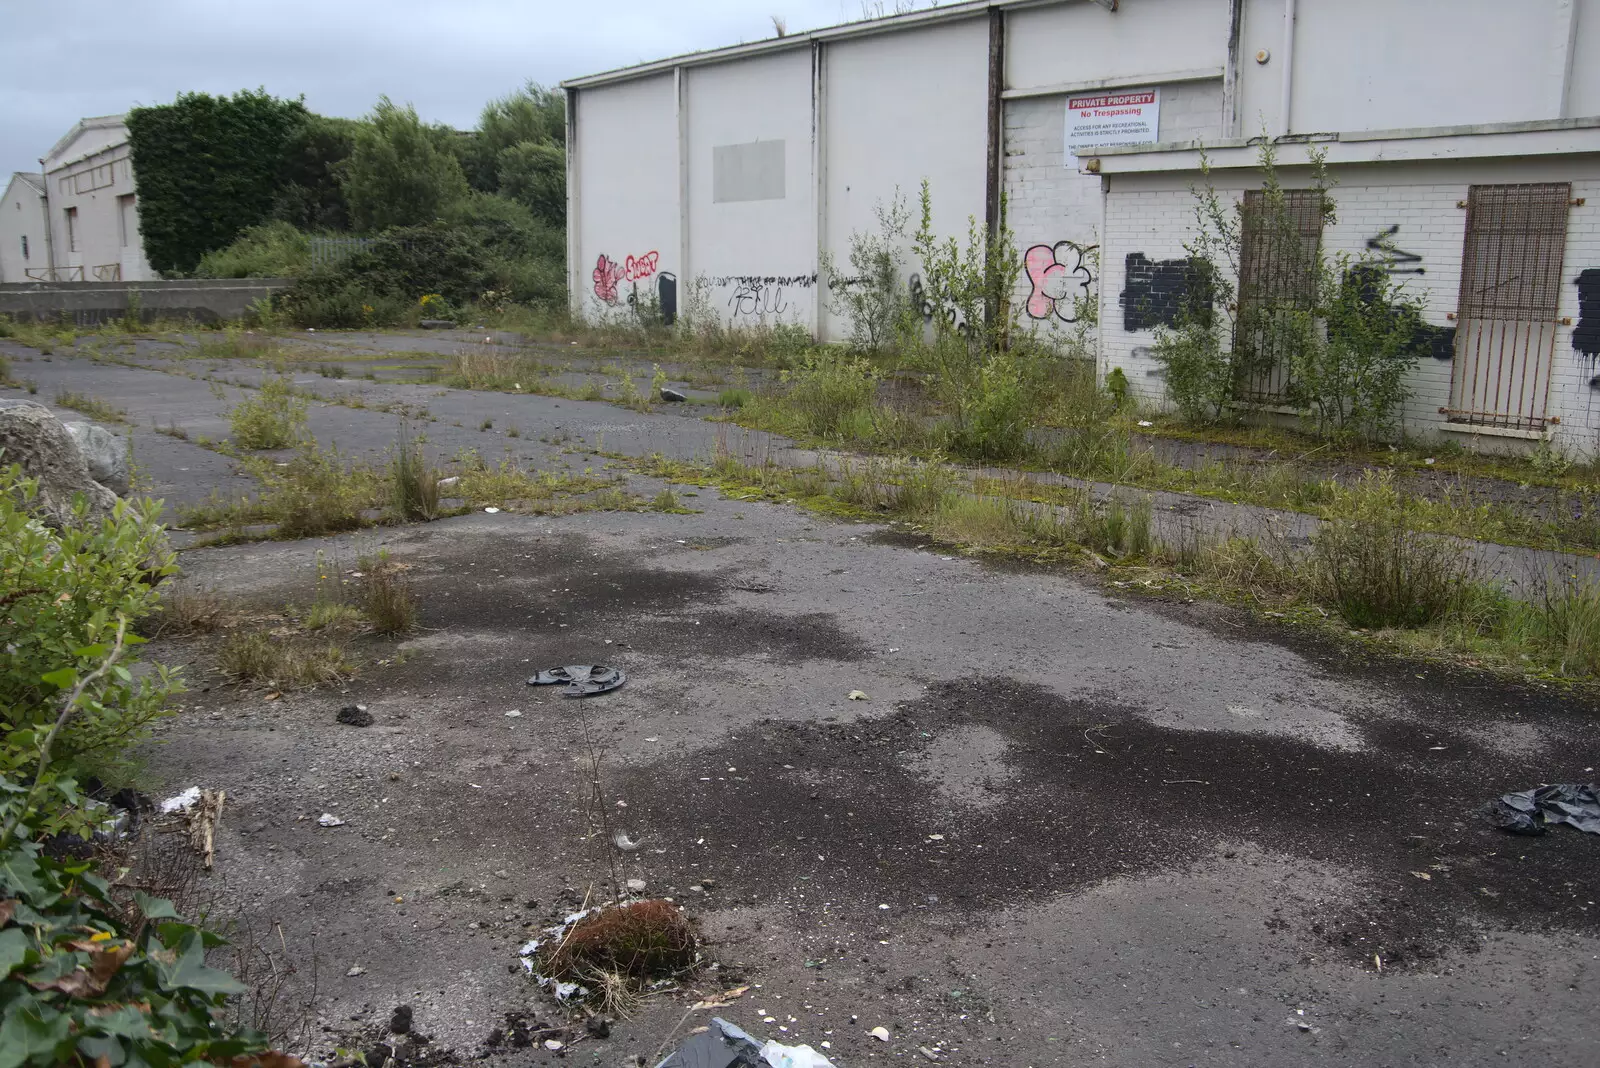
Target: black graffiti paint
{"type": "Point", "coordinates": [927, 309]}
{"type": "Point", "coordinates": [757, 298]}
{"type": "Point", "coordinates": [1155, 292]}
{"type": "Point", "coordinates": [1394, 261]}
{"type": "Point", "coordinates": [667, 296]}
{"type": "Point", "coordinates": [1366, 281]}
{"type": "Point", "coordinates": [1586, 335]}
{"type": "Point", "coordinates": [802, 281]}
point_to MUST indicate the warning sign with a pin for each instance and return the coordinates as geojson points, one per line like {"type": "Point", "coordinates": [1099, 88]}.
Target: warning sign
{"type": "Point", "coordinates": [1129, 117]}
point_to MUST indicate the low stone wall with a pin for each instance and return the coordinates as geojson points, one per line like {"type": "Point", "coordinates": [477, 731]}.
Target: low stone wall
{"type": "Point", "coordinates": [205, 300]}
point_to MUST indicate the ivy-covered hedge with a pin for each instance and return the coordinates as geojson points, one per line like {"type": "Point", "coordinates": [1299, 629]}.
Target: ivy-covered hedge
{"type": "Point", "coordinates": [205, 168]}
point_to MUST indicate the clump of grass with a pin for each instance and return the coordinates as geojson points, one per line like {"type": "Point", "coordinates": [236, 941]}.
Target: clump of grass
{"type": "Point", "coordinates": [317, 493]}
{"type": "Point", "coordinates": [733, 398]}
{"type": "Point", "coordinates": [387, 600]}
{"type": "Point", "coordinates": [273, 418]}
{"type": "Point", "coordinates": [413, 481]}
{"type": "Point", "coordinates": [592, 391]}
{"type": "Point", "coordinates": [1379, 570]}
{"type": "Point", "coordinates": [263, 657]}
{"type": "Point", "coordinates": [1115, 527]}
{"type": "Point", "coordinates": [330, 370]}
{"type": "Point", "coordinates": [333, 615]}
{"type": "Point", "coordinates": [666, 501]}
{"type": "Point", "coordinates": [93, 407]}
{"type": "Point", "coordinates": [232, 343]}
{"type": "Point", "coordinates": [487, 424]}
{"type": "Point", "coordinates": [190, 609]}
{"type": "Point", "coordinates": [1569, 624]}
{"type": "Point", "coordinates": [173, 430]}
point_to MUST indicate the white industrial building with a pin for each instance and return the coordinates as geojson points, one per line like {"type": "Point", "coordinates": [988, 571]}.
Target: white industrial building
{"type": "Point", "coordinates": [78, 220]}
{"type": "Point", "coordinates": [1463, 135]}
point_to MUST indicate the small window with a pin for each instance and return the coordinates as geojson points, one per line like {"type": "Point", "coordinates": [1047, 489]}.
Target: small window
{"type": "Point", "coordinates": [72, 229]}
{"type": "Point", "coordinates": [24, 246]}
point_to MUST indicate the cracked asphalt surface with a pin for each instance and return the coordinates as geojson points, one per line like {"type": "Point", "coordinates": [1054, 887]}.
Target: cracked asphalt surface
{"type": "Point", "coordinates": [1067, 826]}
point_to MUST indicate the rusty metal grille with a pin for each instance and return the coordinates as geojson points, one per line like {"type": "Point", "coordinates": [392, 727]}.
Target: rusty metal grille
{"type": "Point", "coordinates": [1277, 274]}
{"type": "Point", "coordinates": [1511, 265]}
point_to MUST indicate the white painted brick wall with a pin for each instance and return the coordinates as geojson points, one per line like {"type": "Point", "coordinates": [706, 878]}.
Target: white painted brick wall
{"type": "Point", "coordinates": [1048, 202]}
{"type": "Point", "coordinates": [1155, 215]}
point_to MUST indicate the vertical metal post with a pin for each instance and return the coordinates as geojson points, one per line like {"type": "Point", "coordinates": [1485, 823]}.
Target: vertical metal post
{"type": "Point", "coordinates": [574, 214]}
{"type": "Point", "coordinates": [994, 186]}
{"type": "Point", "coordinates": [819, 181]}
{"type": "Point", "coordinates": [49, 225]}
{"type": "Point", "coordinates": [1287, 99]}
{"type": "Point", "coordinates": [680, 87]}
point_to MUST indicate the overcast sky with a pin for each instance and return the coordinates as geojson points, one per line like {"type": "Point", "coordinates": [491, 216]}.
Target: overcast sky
{"type": "Point", "coordinates": [66, 59]}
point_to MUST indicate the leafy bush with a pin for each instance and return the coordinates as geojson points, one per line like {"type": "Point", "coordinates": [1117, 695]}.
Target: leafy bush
{"type": "Point", "coordinates": [309, 196]}
{"type": "Point", "coordinates": [535, 176]}
{"type": "Point", "coordinates": [401, 172]}
{"type": "Point", "coordinates": [272, 418]}
{"type": "Point", "coordinates": [994, 416]}
{"type": "Point", "coordinates": [208, 167]}
{"type": "Point", "coordinates": [873, 297]}
{"type": "Point", "coordinates": [62, 596]}
{"type": "Point", "coordinates": [273, 250]}
{"type": "Point", "coordinates": [91, 981]}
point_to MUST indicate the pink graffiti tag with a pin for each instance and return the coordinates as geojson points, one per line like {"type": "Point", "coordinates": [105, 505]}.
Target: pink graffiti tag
{"type": "Point", "coordinates": [607, 273]}
{"type": "Point", "coordinates": [639, 268]}
{"type": "Point", "coordinates": [1052, 278]}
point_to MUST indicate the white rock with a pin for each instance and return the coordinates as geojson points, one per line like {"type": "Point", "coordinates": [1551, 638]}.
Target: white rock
{"type": "Point", "coordinates": [880, 1033]}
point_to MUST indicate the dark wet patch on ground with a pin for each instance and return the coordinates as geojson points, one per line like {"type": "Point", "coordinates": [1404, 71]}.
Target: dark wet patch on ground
{"type": "Point", "coordinates": [1098, 792]}
{"type": "Point", "coordinates": [748, 632]}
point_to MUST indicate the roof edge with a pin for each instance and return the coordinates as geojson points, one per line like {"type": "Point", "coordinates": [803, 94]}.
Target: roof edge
{"type": "Point", "coordinates": [840, 31]}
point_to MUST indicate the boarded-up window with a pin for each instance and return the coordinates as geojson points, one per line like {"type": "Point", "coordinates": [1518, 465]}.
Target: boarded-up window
{"type": "Point", "coordinates": [752, 171]}
{"type": "Point", "coordinates": [1277, 273]}
{"type": "Point", "coordinates": [72, 229]}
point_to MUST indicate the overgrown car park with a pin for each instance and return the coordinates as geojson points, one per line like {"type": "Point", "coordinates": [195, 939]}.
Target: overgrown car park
{"type": "Point", "coordinates": [1089, 803]}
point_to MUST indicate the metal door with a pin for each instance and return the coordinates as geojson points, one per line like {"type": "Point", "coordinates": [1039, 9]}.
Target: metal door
{"type": "Point", "coordinates": [1510, 293]}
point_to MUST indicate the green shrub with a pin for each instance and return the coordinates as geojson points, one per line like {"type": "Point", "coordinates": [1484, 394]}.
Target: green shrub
{"type": "Point", "coordinates": [272, 418]}
{"type": "Point", "coordinates": [994, 413]}
{"type": "Point", "coordinates": [62, 596]}
{"type": "Point", "coordinates": [1380, 571]}
{"type": "Point", "coordinates": [208, 167]}
{"type": "Point", "coordinates": [401, 171]}
{"type": "Point", "coordinates": [95, 980]}
{"type": "Point", "coordinates": [827, 391]}
{"type": "Point", "coordinates": [273, 250]}
{"type": "Point", "coordinates": [317, 493]}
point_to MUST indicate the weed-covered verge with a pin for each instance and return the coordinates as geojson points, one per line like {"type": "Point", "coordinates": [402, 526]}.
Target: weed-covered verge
{"type": "Point", "coordinates": [95, 972]}
{"type": "Point", "coordinates": [1372, 573]}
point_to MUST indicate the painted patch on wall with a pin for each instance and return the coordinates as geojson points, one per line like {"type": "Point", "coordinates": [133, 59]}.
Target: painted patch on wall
{"type": "Point", "coordinates": [1153, 291]}
{"type": "Point", "coordinates": [1586, 335]}
{"type": "Point", "coordinates": [1055, 272]}
{"type": "Point", "coordinates": [753, 171]}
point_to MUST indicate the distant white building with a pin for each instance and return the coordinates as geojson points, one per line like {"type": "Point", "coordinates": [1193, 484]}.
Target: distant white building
{"type": "Point", "coordinates": [22, 227]}
{"type": "Point", "coordinates": [77, 221]}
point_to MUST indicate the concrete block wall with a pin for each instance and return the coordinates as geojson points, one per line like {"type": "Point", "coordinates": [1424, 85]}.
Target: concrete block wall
{"type": "Point", "coordinates": [1151, 216]}
{"type": "Point", "coordinates": [1056, 207]}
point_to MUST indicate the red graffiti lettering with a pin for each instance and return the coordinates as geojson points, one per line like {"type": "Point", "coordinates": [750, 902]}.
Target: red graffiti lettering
{"type": "Point", "coordinates": [639, 268]}
{"type": "Point", "coordinates": [607, 273]}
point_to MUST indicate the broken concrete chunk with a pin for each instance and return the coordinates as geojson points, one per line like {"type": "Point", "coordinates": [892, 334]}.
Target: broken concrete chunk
{"type": "Point", "coordinates": [105, 454]}
{"type": "Point", "coordinates": [673, 395]}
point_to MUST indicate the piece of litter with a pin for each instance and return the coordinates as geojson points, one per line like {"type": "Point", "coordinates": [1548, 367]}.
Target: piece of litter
{"type": "Point", "coordinates": [182, 802]}
{"type": "Point", "coordinates": [1428, 461]}
{"type": "Point", "coordinates": [880, 1033]}
{"type": "Point", "coordinates": [580, 680]}
{"type": "Point", "coordinates": [635, 886]}
{"type": "Point", "coordinates": [474, 785]}
{"type": "Point", "coordinates": [514, 713]}
{"type": "Point", "coordinates": [623, 842]}
{"type": "Point", "coordinates": [1146, 422]}
{"type": "Point", "coordinates": [356, 969]}
{"type": "Point", "coordinates": [857, 695]}
{"type": "Point", "coordinates": [328, 819]}
{"type": "Point", "coordinates": [883, 906]}
{"type": "Point", "coordinates": [928, 1053]}
{"type": "Point", "coordinates": [1532, 811]}
{"type": "Point", "coordinates": [552, 1045]}
{"type": "Point", "coordinates": [935, 837]}
{"type": "Point", "coordinates": [491, 509]}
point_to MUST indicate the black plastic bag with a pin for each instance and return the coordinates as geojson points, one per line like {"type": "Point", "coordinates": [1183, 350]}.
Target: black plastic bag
{"type": "Point", "coordinates": [1533, 811]}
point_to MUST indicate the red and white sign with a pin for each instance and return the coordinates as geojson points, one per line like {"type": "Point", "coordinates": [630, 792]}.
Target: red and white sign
{"type": "Point", "coordinates": [1125, 117]}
